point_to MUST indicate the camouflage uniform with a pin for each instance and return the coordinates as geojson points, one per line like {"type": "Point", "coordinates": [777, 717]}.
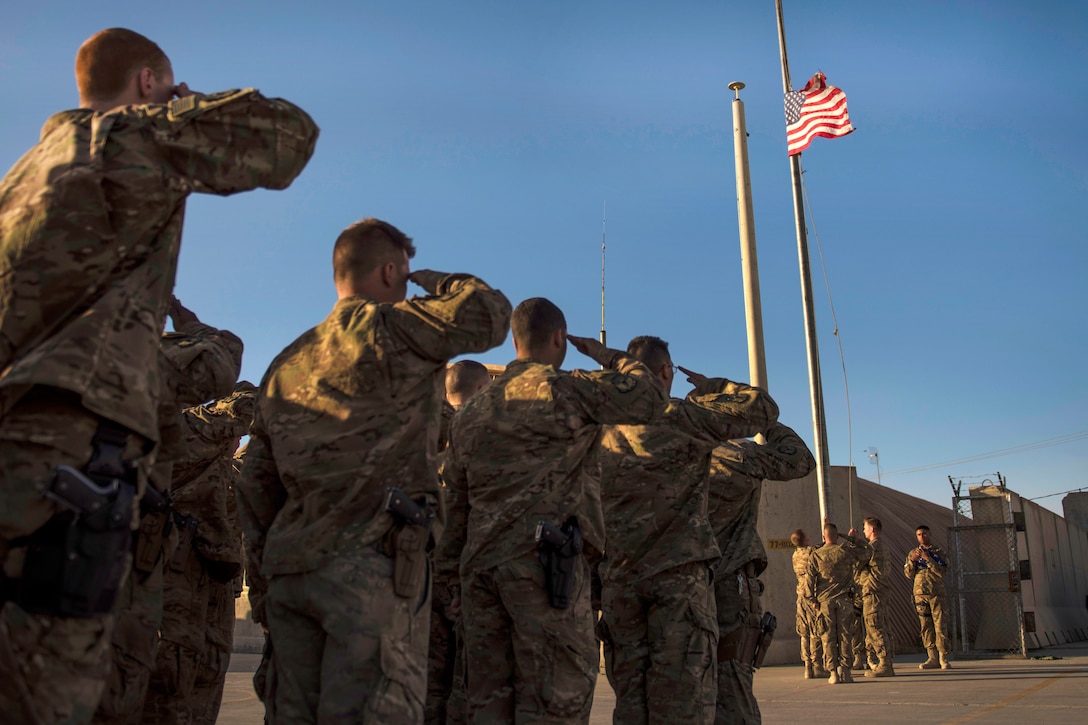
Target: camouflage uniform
{"type": "Point", "coordinates": [658, 622]}
{"type": "Point", "coordinates": [828, 582]}
{"type": "Point", "coordinates": [518, 453]}
{"type": "Point", "coordinates": [201, 572]}
{"type": "Point", "coordinates": [348, 410]}
{"type": "Point", "coordinates": [808, 628]}
{"type": "Point", "coordinates": [446, 704]}
{"type": "Point", "coordinates": [199, 363]}
{"type": "Point", "coordinates": [929, 600]}
{"type": "Point", "coordinates": [737, 472]}
{"type": "Point", "coordinates": [858, 657]}
{"type": "Point", "coordinates": [90, 227]}
{"type": "Point", "coordinates": [874, 592]}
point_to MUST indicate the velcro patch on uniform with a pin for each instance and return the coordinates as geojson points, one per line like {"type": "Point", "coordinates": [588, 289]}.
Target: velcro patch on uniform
{"type": "Point", "coordinates": [181, 106]}
{"type": "Point", "coordinates": [624, 383]}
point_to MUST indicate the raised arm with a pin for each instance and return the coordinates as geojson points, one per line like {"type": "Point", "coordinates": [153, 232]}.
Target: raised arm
{"type": "Point", "coordinates": [623, 393]}
{"type": "Point", "coordinates": [461, 314]}
{"type": "Point", "coordinates": [223, 143]}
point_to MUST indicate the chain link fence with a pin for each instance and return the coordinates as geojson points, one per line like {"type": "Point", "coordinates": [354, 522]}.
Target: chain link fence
{"type": "Point", "coordinates": [984, 587]}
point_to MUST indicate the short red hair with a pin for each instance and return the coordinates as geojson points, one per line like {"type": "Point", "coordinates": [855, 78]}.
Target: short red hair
{"type": "Point", "coordinates": [109, 59]}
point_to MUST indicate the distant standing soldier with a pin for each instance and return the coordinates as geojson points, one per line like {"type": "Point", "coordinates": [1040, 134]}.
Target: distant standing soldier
{"type": "Point", "coordinates": [90, 229]}
{"type": "Point", "coordinates": [737, 471]}
{"type": "Point", "coordinates": [518, 452]}
{"type": "Point", "coordinates": [812, 647]}
{"type": "Point", "coordinates": [926, 566]}
{"type": "Point", "coordinates": [828, 582]}
{"type": "Point", "coordinates": [659, 624]}
{"type": "Point", "coordinates": [875, 586]}
{"type": "Point", "coordinates": [446, 704]}
{"type": "Point", "coordinates": [340, 485]}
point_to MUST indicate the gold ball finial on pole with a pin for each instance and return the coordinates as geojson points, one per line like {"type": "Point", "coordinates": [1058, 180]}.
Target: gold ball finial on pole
{"type": "Point", "coordinates": [735, 86]}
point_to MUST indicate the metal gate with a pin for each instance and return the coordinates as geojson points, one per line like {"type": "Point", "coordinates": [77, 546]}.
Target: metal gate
{"type": "Point", "coordinates": [984, 592]}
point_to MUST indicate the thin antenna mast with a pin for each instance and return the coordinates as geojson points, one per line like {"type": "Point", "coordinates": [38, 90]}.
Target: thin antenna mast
{"type": "Point", "coordinates": [604, 228]}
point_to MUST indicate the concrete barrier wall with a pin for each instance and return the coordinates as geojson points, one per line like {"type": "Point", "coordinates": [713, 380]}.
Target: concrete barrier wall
{"type": "Point", "coordinates": [1056, 595]}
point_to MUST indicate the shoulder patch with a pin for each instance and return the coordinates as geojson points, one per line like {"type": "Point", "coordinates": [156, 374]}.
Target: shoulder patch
{"type": "Point", "coordinates": [623, 383]}
{"type": "Point", "coordinates": [196, 103]}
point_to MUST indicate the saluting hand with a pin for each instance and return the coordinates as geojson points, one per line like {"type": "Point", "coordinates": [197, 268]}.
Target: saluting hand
{"type": "Point", "coordinates": [587, 346]}
{"type": "Point", "coordinates": [182, 90]}
{"type": "Point", "coordinates": [427, 279]}
{"type": "Point", "coordinates": [694, 378]}
{"type": "Point", "coordinates": [180, 315]}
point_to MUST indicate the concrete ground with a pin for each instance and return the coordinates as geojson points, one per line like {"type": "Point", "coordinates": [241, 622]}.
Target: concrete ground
{"type": "Point", "coordinates": [1050, 688]}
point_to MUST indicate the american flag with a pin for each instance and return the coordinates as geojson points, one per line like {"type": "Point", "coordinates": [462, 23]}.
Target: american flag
{"type": "Point", "coordinates": [818, 109]}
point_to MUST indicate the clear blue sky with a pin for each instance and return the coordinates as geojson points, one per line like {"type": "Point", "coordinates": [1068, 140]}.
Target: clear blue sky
{"type": "Point", "coordinates": [493, 132]}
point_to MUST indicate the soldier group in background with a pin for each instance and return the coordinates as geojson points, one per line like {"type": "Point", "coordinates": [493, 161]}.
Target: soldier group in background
{"type": "Point", "coordinates": [822, 608]}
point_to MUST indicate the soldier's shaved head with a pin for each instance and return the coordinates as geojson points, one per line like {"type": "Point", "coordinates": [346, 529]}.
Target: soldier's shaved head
{"type": "Point", "coordinates": [535, 323]}
{"type": "Point", "coordinates": [463, 380]}
{"type": "Point", "coordinates": [798, 537]}
{"type": "Point", "coordinates": [370, 258]}
{"type": "Point", "coordinates": [108, 61]}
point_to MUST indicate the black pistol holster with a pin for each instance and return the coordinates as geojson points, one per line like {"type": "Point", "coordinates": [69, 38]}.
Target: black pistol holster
{"type": "Point", "coordinates": [410, 541]}
{"type": "Point", "coordinates": [76, 561]}
{"type": "Point", "coordinates": [767, 626]}
{"type": "Point", "coordinates": [560, 548]}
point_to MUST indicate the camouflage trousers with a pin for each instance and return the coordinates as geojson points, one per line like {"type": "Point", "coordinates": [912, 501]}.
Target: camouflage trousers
{"type": "Point", "coordinates": [526, 661]}
{"type": "Point", "coordinates": [52, 669]}
{"type": "Point", "coordinates": [211, 675]}
{"type": "Point", "coordinates": [661, 641]}
{"type": "Point", "coordinates": [186, 595]}
{"type": "Point", "coordinates": [264, 681]}
{"type": "Point", "coordinates": [446, 700]}
{"type": "Point", "coordinates": [812, 645]}
{"type": "Point", "coordinates": [737, 596]}
{"type": "Point", "coordinates": [836, 625]}
{"type": "Point", "coordinates": [934, 624]}
{"type": "Point", "coordinates": [133, 647]}
{"type": "Point", "coordinates": [347, 648]}
{"type": "Point", "coordinates": [860, 654]}
{"type": "Point", "coordinates": [877, 636]}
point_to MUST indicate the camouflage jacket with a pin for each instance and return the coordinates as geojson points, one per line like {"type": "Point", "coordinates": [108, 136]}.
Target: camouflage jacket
{"type": "Point", "coordinates": [203, 476]}
{"type": "Point", "coordinates": [737, 471]}
{"type": "Point", "coordinates": [90, 228]}
{"type": "Point", "coordinates": [874, 572]}
{"type": "Point", "coordinates": [802, 557]}
{"type": "Point", "coordinates": [519, 448]}
{"type": "Point", "coordinates": [928, 577]}
{"type": "Point", "coordinates": [654, 479]}
{"type": "Point", "coordinates": [199, 363]}
{"type": "Point", "coordinates": [830, 574]}
{"type": "Point", "coordinates": [351, 408]}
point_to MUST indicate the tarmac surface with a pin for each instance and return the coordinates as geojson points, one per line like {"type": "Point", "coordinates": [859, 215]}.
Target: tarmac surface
{"type": "Point", "coordinates": [1049, 687]}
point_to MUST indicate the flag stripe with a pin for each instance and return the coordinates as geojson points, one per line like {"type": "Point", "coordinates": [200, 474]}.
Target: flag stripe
{"type": "Point", "coordinates": [818, 111]}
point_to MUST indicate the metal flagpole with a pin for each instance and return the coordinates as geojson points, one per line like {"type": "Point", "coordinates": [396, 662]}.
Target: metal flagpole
{"type": "Point", "coordinates": [819, 427]}
{"type": "Point", "coordinates": [753, 310]}
{"type": "Point", "coordinates": [604, 222]}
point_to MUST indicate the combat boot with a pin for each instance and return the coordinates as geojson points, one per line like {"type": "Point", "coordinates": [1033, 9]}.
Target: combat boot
{"type": "Point", "coordinates": [845, 676]}
{"type": "Point", "coordinates": [808, 671]}
{"type": "Point", "coordinates": [819, 672]}
{"type": "Point", "coordinates": [833, 679]}
{"type": "Point", "coordinates": [945, 664]}
{"type": "Point", "coordinates": [932, 663]}
{"type": "Point", "coordinates": [882, 669]}
{"type": "Point", "coordinates": [859, 663]}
